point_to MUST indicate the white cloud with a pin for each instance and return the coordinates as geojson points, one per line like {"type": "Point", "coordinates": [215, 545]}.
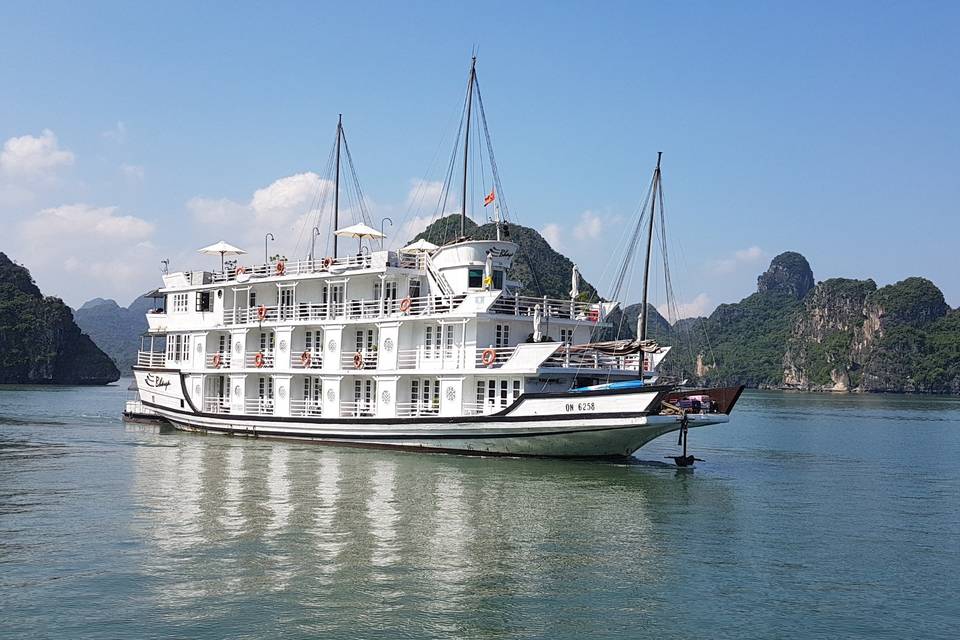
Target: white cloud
{"type": "Point", "coordinates": [695, 308]}
{"type": "Point", "coordinates": [424, 194]}
{"type": "Point", "coordinates": [102, 252]}
{"type": "Point", "coordinates": [743, 257]}
{"type": "Point", "coordinates": [551, 233]}
{"type": "Point", "coordinates": [117, 134]}
{"type": "Point", "coordinates": [132, 172]}
{"type": "Point", "coordinates": [590, 226]}
{"type": "Point", "coordinates": [32, 156]}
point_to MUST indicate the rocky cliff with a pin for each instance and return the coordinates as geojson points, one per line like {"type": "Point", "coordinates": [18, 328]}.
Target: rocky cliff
{"type": "Point", "coordinates": [39, 341]}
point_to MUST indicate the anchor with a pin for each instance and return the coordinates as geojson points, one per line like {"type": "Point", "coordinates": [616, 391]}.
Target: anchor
{"type": "Point", "coordinates": [684, 460]}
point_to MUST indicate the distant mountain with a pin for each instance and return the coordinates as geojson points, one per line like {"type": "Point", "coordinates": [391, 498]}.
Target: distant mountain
{"type": "Point", "coordinates": [39, 341]}
{"type": "Point", "coordinates": [115, 329]}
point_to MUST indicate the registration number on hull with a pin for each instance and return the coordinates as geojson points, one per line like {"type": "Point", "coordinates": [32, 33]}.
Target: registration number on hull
{"type": "Point", "coordinates": [579, 406]}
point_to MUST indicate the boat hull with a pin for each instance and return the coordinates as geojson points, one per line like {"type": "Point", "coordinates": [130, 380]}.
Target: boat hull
{"type": "Point", "coordinates": [575, 425]}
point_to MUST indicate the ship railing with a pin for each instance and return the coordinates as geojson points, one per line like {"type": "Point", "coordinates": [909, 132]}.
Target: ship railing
{"type": "Point", "coordinates": [306, 407]}
{"type": "Point", "coordinates": [358, 409]}
{"type": "Point", "coordinates": [350, 310]}
{"type": "Point", "coordinates": [267, 360]}
{"type": "Point", "coordinates": [216, 404]}
{"type": "Point", "coordinates": [550, 308]}
{"type": "Point", "coordinates": [500, 356]}
{"type": "Point", "coordinates": [210, 362]}
{"type": "Point", "coordinates": [572, 358]}
{"type": "Point", "coordinates": [258, 406]}
{"type": "Point", "coordinates": [306, 360]}
{"type": "Point", "coordinates": [473, 409]}
{"type": "Point", "coordinates": [368, 359]}
{"type": "Point", "coordinates": [423, 357]}
{"type": "Point", "coordinates": [417, 409]}
{"type": "Point", "coordinates": [305, 266]}
{"type": "Point", "coordinates": [151, 359]}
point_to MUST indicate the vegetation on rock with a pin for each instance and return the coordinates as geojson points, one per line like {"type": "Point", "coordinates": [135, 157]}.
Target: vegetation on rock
{"type": "Point", "coordinates": [39, 341]}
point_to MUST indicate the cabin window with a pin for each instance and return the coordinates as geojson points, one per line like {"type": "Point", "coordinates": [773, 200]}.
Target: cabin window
{"type": "Point", "coordinates": [266, 341]}
{"type": "Point", "coordinates": [286, 303]}
{"type": "Point", "coordinates": [204, 301]}
{"type": "Point", "coordinates": [265, 388]}
{"type": "Point", "coordinates": [497, 279]}
{"type": "Point", "coordinates": [480, 389]}
{"type": "Point", "coordinates": [502, 336]}
{"type": "Point", "coordinates": [414, 288]}
{"type": "Point", "coordinates": [253, 299]}
{"type": "Point", "coordinates": [180, 302]}
{"type": "Point", "coordinates": [475, 278]}
{"type": "Point", "coordinates": [448, 343]}
{"type": "Point", "coordinates": [516, 391]}
{"type": "Point", "coordinates": [566, 336]}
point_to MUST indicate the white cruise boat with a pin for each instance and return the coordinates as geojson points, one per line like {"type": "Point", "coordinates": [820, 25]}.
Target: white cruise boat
{"type": "Point", "coordinates": [427, 348]}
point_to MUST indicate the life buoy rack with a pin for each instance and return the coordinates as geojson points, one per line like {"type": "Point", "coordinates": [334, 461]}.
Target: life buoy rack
{"type": "Point", "coordinates": [281, 267]}
{"type": "Point", "coordinates": [262, 312]}
{"type": "Point", "coordinates": [327, 262]}
{"type": "Point", "coordinates": [488, 357]}
{"type": "Point", "coordinates": [405, 304]}
{"type": "Point", "coordinates": [259, 360]}
{"type": "Point", "coordinates": [305, 358]}
{"type": "Point", "coordinates": [358, 360]}
{"type": "Point", "coordinates": [217, 360]}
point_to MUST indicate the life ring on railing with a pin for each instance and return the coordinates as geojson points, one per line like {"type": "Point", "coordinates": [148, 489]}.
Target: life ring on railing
{"type": "Point", "coordinates": [217, 360]}
{"type": "Point", "coordinates": [488, 357]}
{"type": "Point", "coordinates": [262, 312]}
{"type": "Point", "coordinates": [327, 262]}
{"type": "Point", "coordinates": [305, 358]}
{"type": "Point", "coordinates": [358, 360]}
{"type": "Point", "coordinates": [281, 267]}
{"type": "Point", "coordinates": [405, 304]}
{"type": "Point", "coordinates": [259, 360]}
{"type": "Point", "coordinates": [240, 271]}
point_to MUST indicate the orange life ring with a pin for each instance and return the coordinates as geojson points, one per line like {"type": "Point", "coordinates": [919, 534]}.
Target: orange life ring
{"type": "Point", "coordinates": [305, 358]}
{"type": "Point", "coordinates": [259, 360]}
{"type": "Point", "coordinates": [281, 267]}
{"type": "Point", "coordinates": [217, 360]}
{"type": "Point", "coordinates": [405, 304]}
{"type": "Point", "coordinates": [358, 360]}
{"type": "Point", "coordinates": [327, 262]}
{"type": "Point", "coordinates": [488, 357]}
{"type": "Point", "coordinates": [262, 312]}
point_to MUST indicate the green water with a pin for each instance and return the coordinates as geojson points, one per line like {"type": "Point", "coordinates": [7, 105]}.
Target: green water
{"type": "Point", "coordinates": [813, 516]}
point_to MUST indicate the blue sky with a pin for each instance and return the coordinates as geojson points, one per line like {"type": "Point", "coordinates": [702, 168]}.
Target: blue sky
{"type": "Point", "coordinates": [135, 132]}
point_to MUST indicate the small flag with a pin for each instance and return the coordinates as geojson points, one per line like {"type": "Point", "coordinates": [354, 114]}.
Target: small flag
{"type": "Point", "coordinates": [490, 197]}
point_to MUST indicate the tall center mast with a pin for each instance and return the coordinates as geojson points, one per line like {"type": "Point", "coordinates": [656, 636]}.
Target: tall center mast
{"type": "Point", "coordinates": [642, 329]}
{"type": "Point", "coordinates": [336, 186]}
{"type": "Point", "coordinates": [466, 146]}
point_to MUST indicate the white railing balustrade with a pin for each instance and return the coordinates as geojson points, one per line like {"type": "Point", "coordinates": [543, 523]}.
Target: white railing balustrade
{"type": "Point", "coordinates": [307, 408]}
{"type": "Point", "coordinates": [367, 360]}
{"type": "Point", "coordinates": [306, 360]}
{"type": "Point", "coordinates": [216, 404]}
{"type": "Point", "coordinates": [417, 409]}
{"type": "Point", "coordinates": [151, 359]}
{"type": "Point", "coordinates": [349, 309]}
{"type": "Point", "coordinates": [475, 408]}
{"type": "Point", "coordinates": [212, 361]}
{"type": "Point", "coordinates": [258, 406]}
{"type": "Point", "coordinates": [259, 360]}
{"type": "Point", "coordinates": [572, 358]}
{"type": "Point", "coordinates": [500, 356]}
{"type": "Point", "coordinates": [306, 266]}
{"type": "Point", "coordinates": [358, 409]}
{"type": "Point", "coordinates": [430, 358]}
{"type": "Point", "coordinates": [550, 308]}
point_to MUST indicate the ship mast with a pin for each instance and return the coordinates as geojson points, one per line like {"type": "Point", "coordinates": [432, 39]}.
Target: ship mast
{"type": "Point", "coordinates": [336, 186]}
{"type": "Point", "coordinates": [466, 147]}
{"type": "Point", "coordinates": [642, 324]}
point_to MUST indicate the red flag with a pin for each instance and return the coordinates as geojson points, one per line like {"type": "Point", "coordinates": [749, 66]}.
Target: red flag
{"type": "Point", "coordinates": [490, 197]}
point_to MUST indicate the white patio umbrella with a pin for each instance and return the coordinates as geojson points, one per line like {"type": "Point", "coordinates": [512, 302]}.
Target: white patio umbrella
{"type": "Point", "coordinates": [574, 283]}
{"type": "Point", "coordinates": [488, 272]}
{"type": "Point", "coordinates": [537, 320]}
{"type": "Point", "coordinates": [224, 249]}
{"type": "Point", "coordinates": [420, 246]}
{"type": "Point", "coordinates": [359, 231]}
